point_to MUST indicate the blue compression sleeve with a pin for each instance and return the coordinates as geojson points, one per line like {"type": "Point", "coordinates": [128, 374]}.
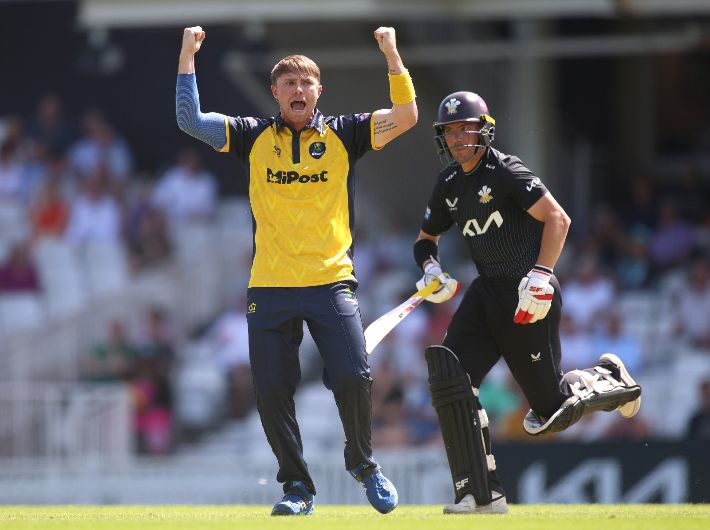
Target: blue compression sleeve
{"type": "Point", "coordinates": [209, 127]}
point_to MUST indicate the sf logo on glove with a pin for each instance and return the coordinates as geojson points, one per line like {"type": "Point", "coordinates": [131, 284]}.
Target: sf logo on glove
{"type": "Point", "coordinates": [534, 296]}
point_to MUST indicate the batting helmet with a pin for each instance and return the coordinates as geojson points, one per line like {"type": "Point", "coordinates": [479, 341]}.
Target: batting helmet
{"type": "Point", "coordinates": [463, 107]}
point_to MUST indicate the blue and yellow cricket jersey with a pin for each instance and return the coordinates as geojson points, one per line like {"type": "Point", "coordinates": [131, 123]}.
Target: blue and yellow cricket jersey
{"type": "Point", "coordinates": [301, 192]}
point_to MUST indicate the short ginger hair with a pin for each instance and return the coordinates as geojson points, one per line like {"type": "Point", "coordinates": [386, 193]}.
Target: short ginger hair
{"type": "Point", "coordinates": [299, 64]}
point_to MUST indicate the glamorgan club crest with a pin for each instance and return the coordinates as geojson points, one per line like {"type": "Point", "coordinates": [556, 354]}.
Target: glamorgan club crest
{"type": "Point", "coordinates": [485, 194]}
{"type": "Point", "coordinates": [452, 106]}
{"type": "Point", "coordinates": [316, 149]}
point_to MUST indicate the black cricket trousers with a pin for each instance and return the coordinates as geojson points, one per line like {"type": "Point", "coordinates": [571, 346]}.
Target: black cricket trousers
{"type": "Point", "coordinates": [275, 317]}
{"type": "Point", "coordinates": [482, 330]}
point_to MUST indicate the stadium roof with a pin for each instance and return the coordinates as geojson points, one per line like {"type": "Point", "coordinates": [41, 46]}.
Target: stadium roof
{"type": "Point", "coordinates": [131, 13]}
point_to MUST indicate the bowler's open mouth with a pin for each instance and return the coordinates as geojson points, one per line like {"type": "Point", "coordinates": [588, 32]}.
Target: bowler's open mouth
{"type": "Point", "coordinates": [298, 105]}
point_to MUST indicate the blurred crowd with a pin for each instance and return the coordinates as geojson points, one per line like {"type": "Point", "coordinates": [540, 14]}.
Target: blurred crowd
{"type": "Point", "coordinates": [635, 279]}
{"type": "Point", "coordinates": [73, 182]}
{"type": "Point", "coordinates": [77, 182]}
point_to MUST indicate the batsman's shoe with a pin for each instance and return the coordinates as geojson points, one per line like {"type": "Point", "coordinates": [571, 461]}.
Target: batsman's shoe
{"type": "Point", "coordinates": [297, 501]}
{"type": "Point", "coordinates": [611, 362]}
{"type": "Point", "coordinates": [379, 490]}
{"type": "Point", "coordinates": [468, 505]}
{"type": "Point", "coordinates": [589, 390]}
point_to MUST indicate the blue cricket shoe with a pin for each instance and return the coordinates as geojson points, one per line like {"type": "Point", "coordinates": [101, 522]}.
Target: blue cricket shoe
{"type": "Point", "coordinates": [380, 491]}
{"type": "Point", "coordinates": [297, 501]}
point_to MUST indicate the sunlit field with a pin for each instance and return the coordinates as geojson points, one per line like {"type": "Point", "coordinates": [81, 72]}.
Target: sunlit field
{"type": "Point", "coordinates": [527, 517]}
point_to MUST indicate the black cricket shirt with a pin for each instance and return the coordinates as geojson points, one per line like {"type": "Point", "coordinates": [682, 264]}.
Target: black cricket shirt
{"type": "Point", "coordinates": [489, 205]}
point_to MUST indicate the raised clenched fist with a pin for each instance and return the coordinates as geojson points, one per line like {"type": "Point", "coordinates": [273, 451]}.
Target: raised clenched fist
{"type": "Point", "coordinates": [385, 39]}
{"type": "Point", "coordinates": [192, 39]}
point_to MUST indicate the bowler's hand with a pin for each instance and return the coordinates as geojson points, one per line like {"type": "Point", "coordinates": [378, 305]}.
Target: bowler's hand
{"type": "Point", "coordinates": [192, 39]}
{"type": "Point", "coordinates": [385, 39]}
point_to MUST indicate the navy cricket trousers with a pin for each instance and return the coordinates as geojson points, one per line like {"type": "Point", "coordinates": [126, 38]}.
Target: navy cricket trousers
{"type": "Point", "coordinates": [275, 317]}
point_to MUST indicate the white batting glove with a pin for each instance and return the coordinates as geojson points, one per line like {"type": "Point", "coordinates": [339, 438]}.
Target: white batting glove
{"type": "Point", "coordinates": [534, 296]}
{"type": "Point", "coordinates": [449, 287]}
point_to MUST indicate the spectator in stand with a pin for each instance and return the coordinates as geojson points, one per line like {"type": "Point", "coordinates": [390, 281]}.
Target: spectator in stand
{"type": "Point", "coordinates": [230, 341]}
{"type": "Point", "coordinates": [640, 208]}
{"type": "Point", "coordinates": [49, 210]}
{"type": "Point", "coordinates": [365, 259]}
{"type": "Point", "coordinates": [18, 273]}
{"type": "Point", "coordinates": [157, 338]}
{"type": "Point", "coordinates": [693, 305]}
{"type": "Point", "coordinates": [187, 192]}
{"type": "Point", "coordinates": [633, 271]}
{"type": "Point", "coordinates": [11, 172]}
{"type": "Point", "coordinates": [588, 294]}
{"type": "Point", "coordinates": [35, 170]}
{"type": "Point", "coordinates": [100, 148]}
{"type": "Point", "coordinates": [113, 359]}
{"type": "Point", "coordinates": [690, 193]}
{"type": "Point", "coordinates": [145, 231]}
{"type": "Point", "coordinates": [613, 339]}
{"type": "Point", "coordinates": [673, 240]}
{"type": "Point", "coordinates": [699, 423]}
{"type": "Point", "coordinates": [606, 240]}
{"type": "Point", "coordinates": [702, 235]}
{"type": "Point", "coordinates": [393, 245]}
{"type": "Point", "coordinates": [50, 127]}
{"type": "Point", "coordinates": [152, 399]}
{"type": "Point", "coordinates": [95, 215]}
{"type": "Point", "coordinates": [576, 344]}
{"type": "Point", "coordinates": [152, 385]}
{"type": "Point", "coordinates": [12, 131]}
{"type": "Point", "coordinates": [388, 426]}
{"type": "Point", "coordinates": [157, 342]}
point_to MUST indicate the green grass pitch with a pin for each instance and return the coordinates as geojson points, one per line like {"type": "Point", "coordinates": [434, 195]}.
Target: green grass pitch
{"type": "Point", "coordinates": [523, 517]}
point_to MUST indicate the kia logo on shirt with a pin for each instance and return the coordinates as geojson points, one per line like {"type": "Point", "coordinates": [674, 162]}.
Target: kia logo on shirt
{"type": "Point", "coordinates": [472, 228]}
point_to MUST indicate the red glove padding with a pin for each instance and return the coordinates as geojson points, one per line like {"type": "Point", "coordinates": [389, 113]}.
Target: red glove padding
{"type": "Point", "coordinates": [534, 296]}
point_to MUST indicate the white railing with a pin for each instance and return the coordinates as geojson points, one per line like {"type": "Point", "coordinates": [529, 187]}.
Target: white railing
{"type": "Point", "coordinates": [191, 288]}
{"type": "Point", "coordinates": [422, 477]}
{"type": "Point", "coordinates": [56, 422]}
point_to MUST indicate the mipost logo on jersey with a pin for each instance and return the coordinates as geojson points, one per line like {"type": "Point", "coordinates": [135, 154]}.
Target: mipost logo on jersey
{"type": "Point", "coordinates": [289, 177]}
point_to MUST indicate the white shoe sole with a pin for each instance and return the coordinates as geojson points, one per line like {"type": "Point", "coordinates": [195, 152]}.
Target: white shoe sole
{"type": "Point", "coordinates": [630, 409]}
{"type": "Point", "coordinates": [468, 506]}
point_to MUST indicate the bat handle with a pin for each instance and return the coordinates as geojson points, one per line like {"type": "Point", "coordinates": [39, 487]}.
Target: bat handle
{"type": "Point", "coordinates": [428, 289]}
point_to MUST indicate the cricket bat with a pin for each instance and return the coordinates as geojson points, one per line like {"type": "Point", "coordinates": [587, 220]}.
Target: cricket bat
{"type": "Point", "coordinates": [379, 329]}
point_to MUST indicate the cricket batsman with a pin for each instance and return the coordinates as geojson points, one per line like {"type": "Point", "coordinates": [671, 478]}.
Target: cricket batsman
{"type": "Point", "coordinates": [515, 231]}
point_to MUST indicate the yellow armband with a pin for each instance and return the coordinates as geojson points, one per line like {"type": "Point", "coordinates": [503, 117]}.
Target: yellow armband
{"type": "Point", "coordinates": [401, 88]}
